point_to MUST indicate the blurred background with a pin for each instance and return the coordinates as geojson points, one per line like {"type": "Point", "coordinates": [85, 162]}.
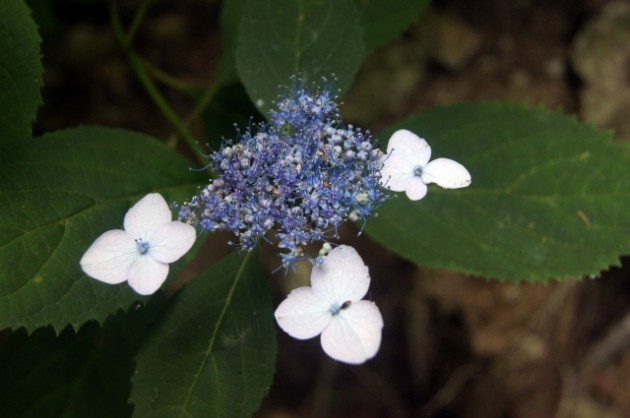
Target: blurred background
{"type": "Point", "coordinates": [453, 346]}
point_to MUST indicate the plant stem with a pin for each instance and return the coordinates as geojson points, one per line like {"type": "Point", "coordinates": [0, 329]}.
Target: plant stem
{"type": "Point", "coordinates": [137, 19]}
{"type": "Point", "coordinates": [169, 80]}
{"type": "Point", "coordinates": [201, 104]}
{"type": "Point", "coordinates": [140, 71]}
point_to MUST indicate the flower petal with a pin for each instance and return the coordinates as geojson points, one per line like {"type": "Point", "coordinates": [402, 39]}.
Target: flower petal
{"type": "Point", "coordinates": [406, 152]}
{"type": "Point", "coordinates": [147, 214]}
{"type": "Point", "coordinates": [109, 258]}
{"type": "Point", "coordinates": [146, 275]}
{"type": "Point", "coordinates": [342, 276]}
{"type": "Point", "coordinates": [416, 189]}
{"type": "Point", "coordinates": [446, 173]}
{"type": "Point", "coordinates": [303, 314]}
{"type": "Point", "coordinates": [171, 241]}
{"type": "Point", "coordinates": [397, 171]}
{"type": "Point", "coordinates": [354, 334]}
{"type": "Point", "coordinates": [410, 146]}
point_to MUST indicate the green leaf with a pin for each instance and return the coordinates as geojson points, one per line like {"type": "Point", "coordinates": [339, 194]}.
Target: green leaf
{"type": "Point", "coordinates": [231, 14]}
{"type": "Point", "coordinates": [73, 375]}
{"type": "Point", "coordinates": [48, 376]}
{"type": "Point", "coordinates": [549, 196]}
{"type": "Point", "coordinates": [230, 106]}
{"type": "Point", "coordinates": [59, 193]}
{"type": "Point", "coordinates": [214, 353]}
{"type": "Point", "coordinates": [384, 20]}
{"type": "Point", "coordinates": [285, 38]}
{"type": "Point", "coordinates": [20, 71]}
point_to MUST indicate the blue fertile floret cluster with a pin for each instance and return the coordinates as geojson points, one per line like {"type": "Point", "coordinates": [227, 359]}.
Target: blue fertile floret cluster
{"type": "Point", "coordinates": [301, 174]}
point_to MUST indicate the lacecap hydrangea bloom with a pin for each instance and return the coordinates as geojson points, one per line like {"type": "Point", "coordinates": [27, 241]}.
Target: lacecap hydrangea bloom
{"type": "Point", "coordinates": [140, 253]}
{"type": "Point", "coordinates": [406, 167]}
{"type": "Point", "coordinates": [333, 306]}
{"type": "Point", "coordinates": [301, 174]}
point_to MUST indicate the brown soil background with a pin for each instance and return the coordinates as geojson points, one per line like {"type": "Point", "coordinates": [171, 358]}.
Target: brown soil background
{"type": "Point", "coordinates": [453, 346]}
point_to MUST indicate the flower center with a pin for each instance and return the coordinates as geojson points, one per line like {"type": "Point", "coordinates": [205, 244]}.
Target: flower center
{"type": "Point", "coordinates": [336, 307]}
{"type": "Point", "coordinates": [143, 247]}
{"type": "Point", "coordinates": [417, 171]}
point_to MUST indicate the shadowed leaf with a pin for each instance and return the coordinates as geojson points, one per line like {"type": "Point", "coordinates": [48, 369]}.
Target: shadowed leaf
{"type": "Point", "coordinates": [214, 353]}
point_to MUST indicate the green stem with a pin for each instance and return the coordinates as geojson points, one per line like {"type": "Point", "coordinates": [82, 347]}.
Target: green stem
{"type": "Point", "coordinates": [168, 79]}
{"type": "Point", "coordinates": [201, 104]}
{"type": "Point", "coordinates": [150, 87]}
{"type": "Point", "coordinates": [137, 19]}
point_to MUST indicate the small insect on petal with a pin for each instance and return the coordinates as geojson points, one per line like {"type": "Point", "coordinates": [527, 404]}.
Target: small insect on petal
{"type": "Point", "coordinates": [354, 336]}
{"type": "Point", "coordinates": [350, 327]}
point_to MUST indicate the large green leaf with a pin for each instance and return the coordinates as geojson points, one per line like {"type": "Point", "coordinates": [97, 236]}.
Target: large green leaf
{"type": "Point", "coordinates": [59, 193]}
{"type": "Point", "coordinates": [384, 20]}
{"type": "Point", "coordinates": [231, 15]}
{"type": "Point", "coordinates": [20, 70]}
{"type": "Point", "coordinates": [48, 376]}
{"type": "Point", "coordinates": [550, 197]}
{"type": "Point", "coordinates": [73, 375]}
{"type": "Point", "coordinates": [287, 38]}
{"type": "Point", "coordinates": [214, 353]}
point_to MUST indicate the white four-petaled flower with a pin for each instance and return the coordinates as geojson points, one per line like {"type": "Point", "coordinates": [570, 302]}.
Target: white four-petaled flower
{"type": "Point", "coordinates": [350, 328]}
{"type": "Point", "coordinates": [140, 254]}
{"type": "Point", "coordinates": [406, 167]}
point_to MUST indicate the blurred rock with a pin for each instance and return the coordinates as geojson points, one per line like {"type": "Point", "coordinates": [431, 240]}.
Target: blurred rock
{"type": "Point", "coordinates": [171, 28]}
{"type": "Point", "coordinates": [390, 78]}
{"type": "Point", "coordinates": [612, 384]}
{"type": "Point", "coordinates": [386, 83]}
{"type": "Point", "coordinates": [86, 45]}
{"type": "Point", "coordinates": [448, 40]}
{"type": "Point", "coordinates": [500, 315]}
{"type": "Point", "coordinates": [600, 55]}
{"type": "Point", "coordinates": [587, 407]}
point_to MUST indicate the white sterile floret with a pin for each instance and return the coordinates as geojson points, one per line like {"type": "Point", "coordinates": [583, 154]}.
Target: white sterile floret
{"type": "Point", "coordinates": [350, 328]}
{"type": "Point", "coordinates": [406, 167]}
{"type": "Point", "coordinates": [140, 254]}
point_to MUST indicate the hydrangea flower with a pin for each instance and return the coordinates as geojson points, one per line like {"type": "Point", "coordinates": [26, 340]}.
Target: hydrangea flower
{"type": "Point", "coordinates": [301, 174]}
{"type": "Point", "coordinates": [406, 167]}
{"type": "Point", "coordinates": [140, 254]}
{"type": "Point", "coordinates": [350, 328]}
